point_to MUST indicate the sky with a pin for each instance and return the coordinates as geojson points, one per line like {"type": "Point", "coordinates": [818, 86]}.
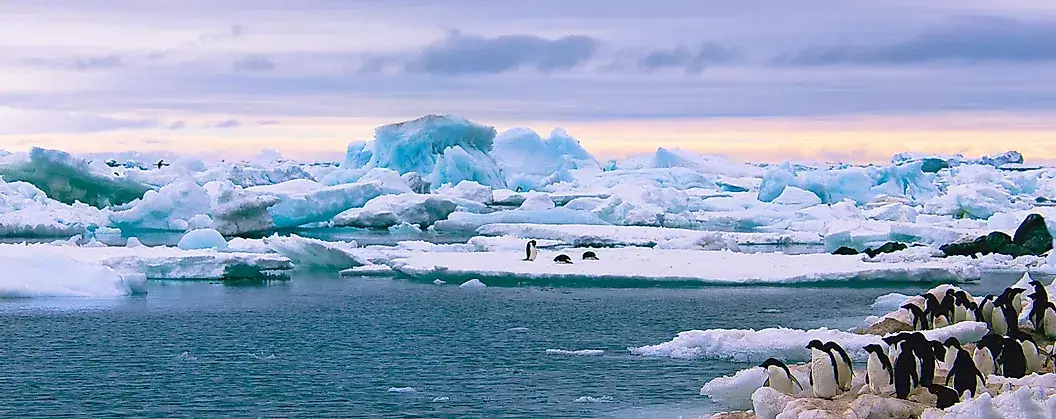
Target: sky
{"type": "Point", "coordinates": [764, 80]}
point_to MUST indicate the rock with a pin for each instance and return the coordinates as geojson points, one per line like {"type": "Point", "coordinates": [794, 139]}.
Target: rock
{"type": "Point", "coordinates": [886, 327]}
{"type": "Point", "coordinates": [733, 415]}
{"type": "Point", "coordinates": [889, 247]}
{"type": "Point", "coordinates": [1033, 235]}
{"type": "Point", "coordinates": [1031, 238]}
{"type": "Point", "coordinates": [933, 165]}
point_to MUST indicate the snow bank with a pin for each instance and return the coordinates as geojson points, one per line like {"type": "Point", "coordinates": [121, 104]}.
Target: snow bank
{"type": "Point", "coordinates": [784, 343]}
{"type": "Point", "coordinates": [26, 211]}
{"type": "Point", "coordinates": [639, 265]}
{"type": "Point", "coordinates": [31, 272]}
{"type": "Point", "coordinates": [390, 210]}
{"type": "Point", "coordinates": [310, 253]}
{"type": "Point", "coordinates": [468, 222]}
{"type": "Point", "coordinates": [669, 238]}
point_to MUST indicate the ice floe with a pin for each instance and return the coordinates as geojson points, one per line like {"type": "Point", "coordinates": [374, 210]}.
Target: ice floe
{"type": "Point", "coordinates": [668, 238]}
{"type": "Point", "coordinates": [650, 265]}
{"type": "Point", "coordinates": [35, 272]}
{"type": "Point", "coordinates": [581, 352]}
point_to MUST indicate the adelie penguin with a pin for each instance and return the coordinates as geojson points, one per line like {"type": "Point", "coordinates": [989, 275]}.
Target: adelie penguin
{"type": "Point", "coordinates": [844, 366]}
{"type": "Point", "coordinates": [1047, 314]}
{"type": "Point", "coordinates": [563, 259]}
{"type": "Point", "coordinates": [920, 319]}
{"type": "Point", "coordinates": [1031, 353]}
{"type": "Point", "coordinates": [779, 377]}
{"type": "Point", "coordinates": [946, 396]}
{"type": "Point", "coordinates": [588, 255]}
{"type": "Point", "coordinates": [823, 379]}
{"type": "Point", "coordinates": [1013, 362]}
{"type": "Point", "coordinates": [987, 352]}
{"type": "Point", "coordinates": [905, 377]}
{"type": "Point", "coordinates": [952, 345]}
{"type": "Point", "coordinates": [878, 370]}
{"type": "Point", "coordinates": [963, 373]}
{"type": "Point", "coordinates": [530, 251]}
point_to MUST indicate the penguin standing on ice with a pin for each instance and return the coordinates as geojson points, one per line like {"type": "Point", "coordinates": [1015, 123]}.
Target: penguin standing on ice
{"type": "Point", "coordinates": [946, 396]}
{"type": "Point", "coordinates": [924, 352]}
{"type": "Point", "coordinates": [778, 377]}
{"type": "Point", "coordinates": [823, 379]}
{"type": "Point", "coordinates": [933, 308]}
{"type": "Point", "coordinates": [906, 377]}
{"type": "Point", "coordinates": [962, 307]}
{"type": "Point", "coordinates": [963, 373]}
{"type": "Point", "coordinates": [987, 308]}
{"type": "Point", "coordinates": [588, 255]}
{"type": "Point", "coordinates": [530, 251]}
{"type": "Point", "coordinates": [878, 371]}
{"type": "Point", "coordinates": [1048, 320]}
{"type": "Point", "coordinates": [948, 306]}
{"type": "Point", "coordinates": [1013, 362]}
{"type": "Point", "coordinates": [844, 366]}
{"type": "Point", "coordinates": [920, 319]}
{"type": "Point", "coordinates": [563, 259]}
{"type": "Point", "coordinates": [1031, 353]}
{"type": "Point", "coordinates": [952, 346]}
{"type": "Point", "coordinates": [987, 353]}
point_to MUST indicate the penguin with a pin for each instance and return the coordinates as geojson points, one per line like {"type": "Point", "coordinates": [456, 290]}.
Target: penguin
{"type": "Point", "coordinates": [530, 251]}
{"type": "Point", "coordinates": [1017, 300]}
{"type": "Point", "coordinates": [987, 307]}
{"type": "Point", "coordinates": [844, 365]}
{"type": "Point", "coordinates": [519, 189]}
{"type": "Point", "coordinates": [940, 320]}
{"type": "Point", "coordinates": [939, 350]}
{"type": "Point", "coordinates": [962, 307]}
{"type": "Point", "coordinates": [952, 346]}
{"type": "Point", "coordinates": [963, 373]}
{"type": "Point", "coordinates": [905, 368]}
{"type": "Point", "coordinates": [161, 163]}
{"type": "Point", "coordinates": [1031, 353]}
{"type": "Point", "coordinates": [987, 351]}
{"type": "Point", "coordinates": [999, 319]}
{"type": "Point", "coordinates": [588, 255]}
{"type": "Point", "coordinates": [1049, 320]}
{"type": "Point", "coordinates": [948, 305]}
{"type": "Point", "coordinates": [563, 259]}
{"type": "Point", "coordinates": [946, 396]}
{"type": "Point", "coordinates": [932, 306]}
{"type": "Point", "coordinates": [878, 371]}
{"type": "Point", "coordinates": [919, 317]}
{"type": "Point", "coordinates": [779, 378]}
{"type": "Point", "coordinates": [1013, 362]}
{"type": "Point", "coordinates": [924, 352]}
{"type": "Point", "coordinates": [1037, 312]}
{"type": "Point", "coordinates": [823, 379]}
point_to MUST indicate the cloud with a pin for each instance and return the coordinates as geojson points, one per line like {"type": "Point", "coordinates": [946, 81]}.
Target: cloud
{"type": "Point", "coordinates": [468, 54]}
{"type": "Point", "coordinates": [235, 31]}
{"type": "Point", "coordinates": [254, 63]}
{"type": "Point", "coordinates": [965, 39]}
{"type": "Point", "coordinates": [230, 123]}
{"type": "Point", "coordinates": [693, 60]}
{"type": "Point", "coordinates": [267, 122]}
{"type": "Point", "coordinates": [178, 125]}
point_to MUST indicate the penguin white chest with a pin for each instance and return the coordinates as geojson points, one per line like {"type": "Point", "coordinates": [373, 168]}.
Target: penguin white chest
{"type": "Point", "coordinates": [779, 380]}
{"type": "Point", "coordinates": [822, 374]}
{"type": "Point", "coordinates": [1049, 323]}
{"type": "Point", "coordinates": [1030, 353]}
{"type": "Point", "coordinates": [532, 253]}
{"type": "Point", "coordinates": [983, 361]}
{"type": "Point", "coordinates": [988, 312]}
{"type": "Point", "coordinates": [843, 374]}
{"type": "Point", "coordinates": [998, 324]}
{"type": "Point", "coordinates": [878, 376]}
{"type": "Point", "coordinates": [951, 355]}
{"type": "Point", "coordinates": [960, 314]}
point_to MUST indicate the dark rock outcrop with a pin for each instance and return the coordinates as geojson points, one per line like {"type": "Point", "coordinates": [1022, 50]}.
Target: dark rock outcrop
{"type": "Point", "coordinates": [889, 247]}
{"type": "Point", "coordinates": [1031, 238]}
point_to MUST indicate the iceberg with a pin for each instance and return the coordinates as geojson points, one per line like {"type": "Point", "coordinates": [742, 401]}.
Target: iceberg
{"type": "Point", "coordinates": [468, 222]}
{"type": "Point", "coordinates": [523, 151]}
{"type": "Point", "coordinates": [69, 180]}
{"type": "Point", "coordinates": [668, 238]}
{"type": "Point", "coordinates": [205, 238]}
{"type": "Point", "coordinates": [177, 206]}
{"type": "Point", "coordinates": [644, 267]}
{"type": "Point", "coordinates": [30, 272]}
{"type": "Point", "coordinates": [308, 253]}
{"type": "Point", "coordinates": [446, 149]}
{"type": "Point", "coordinates": [391, 210]}
{"type": "Point", "coordinates": [26, 211]}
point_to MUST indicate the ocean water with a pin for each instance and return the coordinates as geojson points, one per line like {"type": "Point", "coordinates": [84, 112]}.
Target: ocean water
{"type": "Point", "coordinates": [319, 346]}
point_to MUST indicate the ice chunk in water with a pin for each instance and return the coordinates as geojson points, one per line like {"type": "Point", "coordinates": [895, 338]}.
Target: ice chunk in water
{"type": "Point", "coordinates": [205, 238]}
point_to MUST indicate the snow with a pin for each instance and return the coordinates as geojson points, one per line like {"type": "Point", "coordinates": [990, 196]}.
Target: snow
{"type": "Point", "coordinates": [668, 238]}
{"type": "Point", "coordinates": [521, 150]}
{"type": "Point", "coordinates": [704, 267]}
{"type": "Point", "coordinates": [26, 211]}
{"type": "Point", "coordinates": [205, 238]}
{"type": "Point", "coordinates": [308, 253]}
{"type": "Point", "coordinates": [35, 272]}
{"type": "Point", "coordinates": [783, 343]}
{"type": "Point", "coordinates": [468, 222]}
{"type": "Point", "coordinates": [581, 352]}
{"type": "Point", "coordinates": [69, 179]}
{"type": "Point", "coordinates": [402, 390]}
{"type": "Point", "coordinates": [536, 202]}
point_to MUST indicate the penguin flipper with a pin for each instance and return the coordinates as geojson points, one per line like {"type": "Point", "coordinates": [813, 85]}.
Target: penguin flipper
{"type": "Point", "coordinates": [767, 382]}
{"type": "Point", "coordinates": [795, 380]}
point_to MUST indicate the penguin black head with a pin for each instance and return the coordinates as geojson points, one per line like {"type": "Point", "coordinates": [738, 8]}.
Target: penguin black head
{"type": "Point", "coordinates": [950, 292]}
{"type": "Point", "coordinates": [588, 255]}
{"type": "Point", "coordinates": [816, 344]}
{"type": "Point", "coordinates": [873, 349]}
{"type": "Point", "coordinates": [563, 259]}
{"type": "Point", "coordinates": [531, 242]}
{"type": "Point", "coordinates": [835, 347]}
{"type": "Point", "coordinates": [773, 362]}
{"type": "Point", "coordinates": [952, 342]}
{"type": "Point", "coordinates": [1020, 335]}
{"type": "Point", "coordinates": [938, 349]}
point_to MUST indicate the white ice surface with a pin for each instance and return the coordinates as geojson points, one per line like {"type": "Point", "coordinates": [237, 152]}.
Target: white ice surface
{"type": "Point", "coordinates": [641, 264]}
{"type": "Point", "coordinates": [674, 238]}
{"type": "Point", "coordinates": [34, 271]}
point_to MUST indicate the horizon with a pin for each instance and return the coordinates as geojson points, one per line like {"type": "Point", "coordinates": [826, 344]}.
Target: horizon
{"type": "Point", "coordinates": [767, 82]}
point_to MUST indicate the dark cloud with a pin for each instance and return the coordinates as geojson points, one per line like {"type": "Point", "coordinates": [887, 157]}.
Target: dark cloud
{"type": "Point", "coordinates": [233, 32]}
{"type": "Point", "coordinates": [692, 60]}
{"type": "Point", "coordinates": [178, 125]}
{"type": "Point", "coordinates": [230, 123]}
{"type": "Point", "coordinates": [254, 63]}
{"type": "Point", "coordinates": [467, 54]}
{"type": "Point", "coordinates": [972, 39]}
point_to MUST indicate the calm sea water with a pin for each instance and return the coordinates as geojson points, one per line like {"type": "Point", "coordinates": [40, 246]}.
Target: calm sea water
{"type": "Point", "coordinates": [320, 346]}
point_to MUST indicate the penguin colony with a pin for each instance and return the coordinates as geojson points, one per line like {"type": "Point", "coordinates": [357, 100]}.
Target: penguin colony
{"type": "Point", "coordinates": [907, 362]}
{"type": "Point", "coordinates": [532, 252]}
